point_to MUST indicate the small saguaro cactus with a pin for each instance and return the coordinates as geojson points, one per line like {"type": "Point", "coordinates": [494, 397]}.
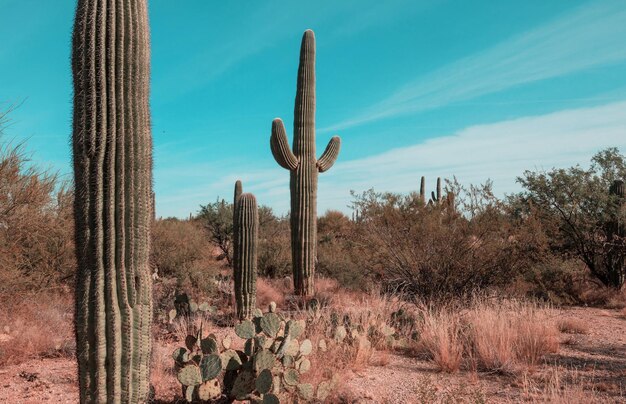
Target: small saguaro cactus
{"type": "Point", "coordinates": [245, 241]}
{"type": "Point", "coordinates": [423, 190]}
{"type": "Point", "coordinates": [435, 199]}
{"type": "Point", "coordinates": [112, 156]}
{"type": "Point", "coordinates": [237, 194]}
{"type": "Point", "coordinates": [304, 168]}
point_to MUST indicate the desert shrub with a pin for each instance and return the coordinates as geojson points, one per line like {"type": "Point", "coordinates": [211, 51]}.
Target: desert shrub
{"type": "Point", "coordinates": [181, 250]}
{"type": "Point", "coordinates": [555, 280]}
{"type": "Point", "coordinates": [274, 245]}
{"type": "Point", "coordinates": [578, 213]}
{"type": "Point", "coordinates": [36, 224]}
{"type": "Point", "coordinates": [434, 251]}
{"type": "Point", "coordinates": [336, 249]}
{"type": "Point", "coordinates": [274, 254]}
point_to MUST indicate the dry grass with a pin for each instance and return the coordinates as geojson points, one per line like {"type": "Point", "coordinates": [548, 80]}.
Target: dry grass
{"type": "Point", "coordinates": [37, 326]}
{"type": "Point", "coordinates": [552, 388]}
{"type": "Point", "coordinates": [441, 339]}
{"type": "Point", "coordinates": [268, 290]}
{"type": "Point", "coordinates": [498, 336]}
{"type": "Point", "coordinates": [572, 326]}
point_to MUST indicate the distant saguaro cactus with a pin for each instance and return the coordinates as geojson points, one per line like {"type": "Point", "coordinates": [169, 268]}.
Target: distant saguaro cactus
{"type": "Point", "coordinates": [245, 242]}
{"type": "Point", "coordinates": [423, 190]}
{"type": "Point", "coordinates": [304, 168]}
{"type": "Point", "coordinates": [436, 198]}
{"type": "Point", "coordinates": [112, 155]}
{"type": "Point", "coordinates": [237, 194]}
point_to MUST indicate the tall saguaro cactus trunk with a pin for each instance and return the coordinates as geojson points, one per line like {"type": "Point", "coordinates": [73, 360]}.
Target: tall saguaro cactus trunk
{"type": "Point", "coordinates": [112, 154]}
{"type": "Point", "coordinates": [245, 251]}
{"type": "Point", "coordinates": [304, 167]}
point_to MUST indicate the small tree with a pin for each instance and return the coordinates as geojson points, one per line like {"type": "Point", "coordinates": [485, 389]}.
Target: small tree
{"type": "Point", "coordinates": [217, 218]}
{"type": "Point", "coordinates": [578, 212]}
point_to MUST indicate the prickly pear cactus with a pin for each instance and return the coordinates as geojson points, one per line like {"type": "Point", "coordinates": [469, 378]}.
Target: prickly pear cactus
{"type": "Point", "coordinates": [304, 168]}
{"type": "Point", "coordinates": [269, 369]}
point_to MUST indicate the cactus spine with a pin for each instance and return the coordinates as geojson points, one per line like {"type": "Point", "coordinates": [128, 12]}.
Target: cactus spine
{"type": "Point", "coordinates": [245, 236]}
{"type": "Point", "coordinates": [112, 156]}
{"type": "Point", "coordinates": [304, 168]}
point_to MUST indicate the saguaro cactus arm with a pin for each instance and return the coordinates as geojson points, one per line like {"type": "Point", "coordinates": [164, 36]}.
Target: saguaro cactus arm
{"type": "Point", "coordinates": [280, 146]}
{"type": "Point", "coordinates": [329, 156]}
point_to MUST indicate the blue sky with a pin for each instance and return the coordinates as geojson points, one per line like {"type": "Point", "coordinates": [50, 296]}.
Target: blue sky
{"type": "Point", "coordinates": [480, 89]}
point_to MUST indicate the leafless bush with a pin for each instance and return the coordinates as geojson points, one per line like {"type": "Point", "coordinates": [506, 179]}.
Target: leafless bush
{"type": "Point", "coordinates": [36, 224]}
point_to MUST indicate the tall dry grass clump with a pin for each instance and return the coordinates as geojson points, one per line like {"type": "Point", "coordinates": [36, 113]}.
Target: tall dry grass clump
{"type": "Point", "coordinates": [36, 327]}
{"type": "Point", "coordinates": [505, 336]}
{"type": "Point", "coordinates": [487, 335]}
{"type": "Point", "coordinates": [441, 339]}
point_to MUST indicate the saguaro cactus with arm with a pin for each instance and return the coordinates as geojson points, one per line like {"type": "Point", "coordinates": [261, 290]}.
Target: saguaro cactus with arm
{"type": "Point", "coordinates": [112, 155]}
{"type": "Point", "coordinates": [245, 255]}
{"type": "Point", "coordinates": [304, 168]}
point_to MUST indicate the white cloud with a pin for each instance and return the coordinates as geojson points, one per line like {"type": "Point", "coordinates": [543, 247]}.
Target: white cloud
{"type": "Point", "coordinates": [591, 35]}
{"type": "Point", "coordinates": [499, 151]}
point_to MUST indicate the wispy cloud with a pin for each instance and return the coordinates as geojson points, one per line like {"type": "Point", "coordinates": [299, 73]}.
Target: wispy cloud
{"type": "Point", "coordinates": [590, 36]}
{"type": "Point", "coordinates": [499, 151]}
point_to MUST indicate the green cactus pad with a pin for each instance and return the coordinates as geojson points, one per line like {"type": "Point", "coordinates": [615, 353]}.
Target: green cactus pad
{"type": "Point", "coordinates": [272, 307]}
{"type": "Point", "coordinates": [230, 360]}
{"type": "Point", "coordinates": [209, 345]}
{"type": "Point", "coordinates": [270, 399]}
{"type": "Point", "coordinates": [304, 366]}
{"type": "Point", "coordinates": [294, 328]}
{"type": "Point", "coordinates": [278, 343]}
{"type": "Point", "coordinates": [288, 361]}
{"type": "Point", "coordinates": [181, 355]}
{"type": "Point", "coordinates": [306, 347]}
{"type": "Point", "coordinates": [210, 390]}
{"type": "Point", "coordinates": [293, 348]}
{"type": "Point", "coordinates": [189, 390]}
{"type": "Point", "coordinates": [189, 375]}
{"type": "Point", "coordinates": [323, 390]}
{"type": "Point", "coordinates": [190, 342]}
{"type": "Point", "coordinates": [270, 324]}
{"type": "Point", "coordinates": [264, 342]}
{"type": "Point", "coordinates": [193, 306]}
{"type": "Point", "coordinates": [245, 329]}
{"type": "Point", "coordinates": [211, 366]}
{"type": "Point", "coordinates": [244, 385]}
{"type": "Point", "coordinates": [264, 381]}
{"type": "Point", "coordinates": [226, 342]}
{"type": "Point", "coordinates": [305, 391]}
{"type": "Point", "coordinates": [291, 377]}
{"type": "Point", "coordinates": [321, 345]}
{"type": "Point", "coordinates": [248, 347]}
{"type": "Point", "coordinates": [264, 359]}
{"type": "Point", "coordinates": [256, 313]}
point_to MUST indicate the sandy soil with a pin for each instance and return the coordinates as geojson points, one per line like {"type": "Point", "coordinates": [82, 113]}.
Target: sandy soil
{"type": "Point", "coordinates": [591, 368]}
